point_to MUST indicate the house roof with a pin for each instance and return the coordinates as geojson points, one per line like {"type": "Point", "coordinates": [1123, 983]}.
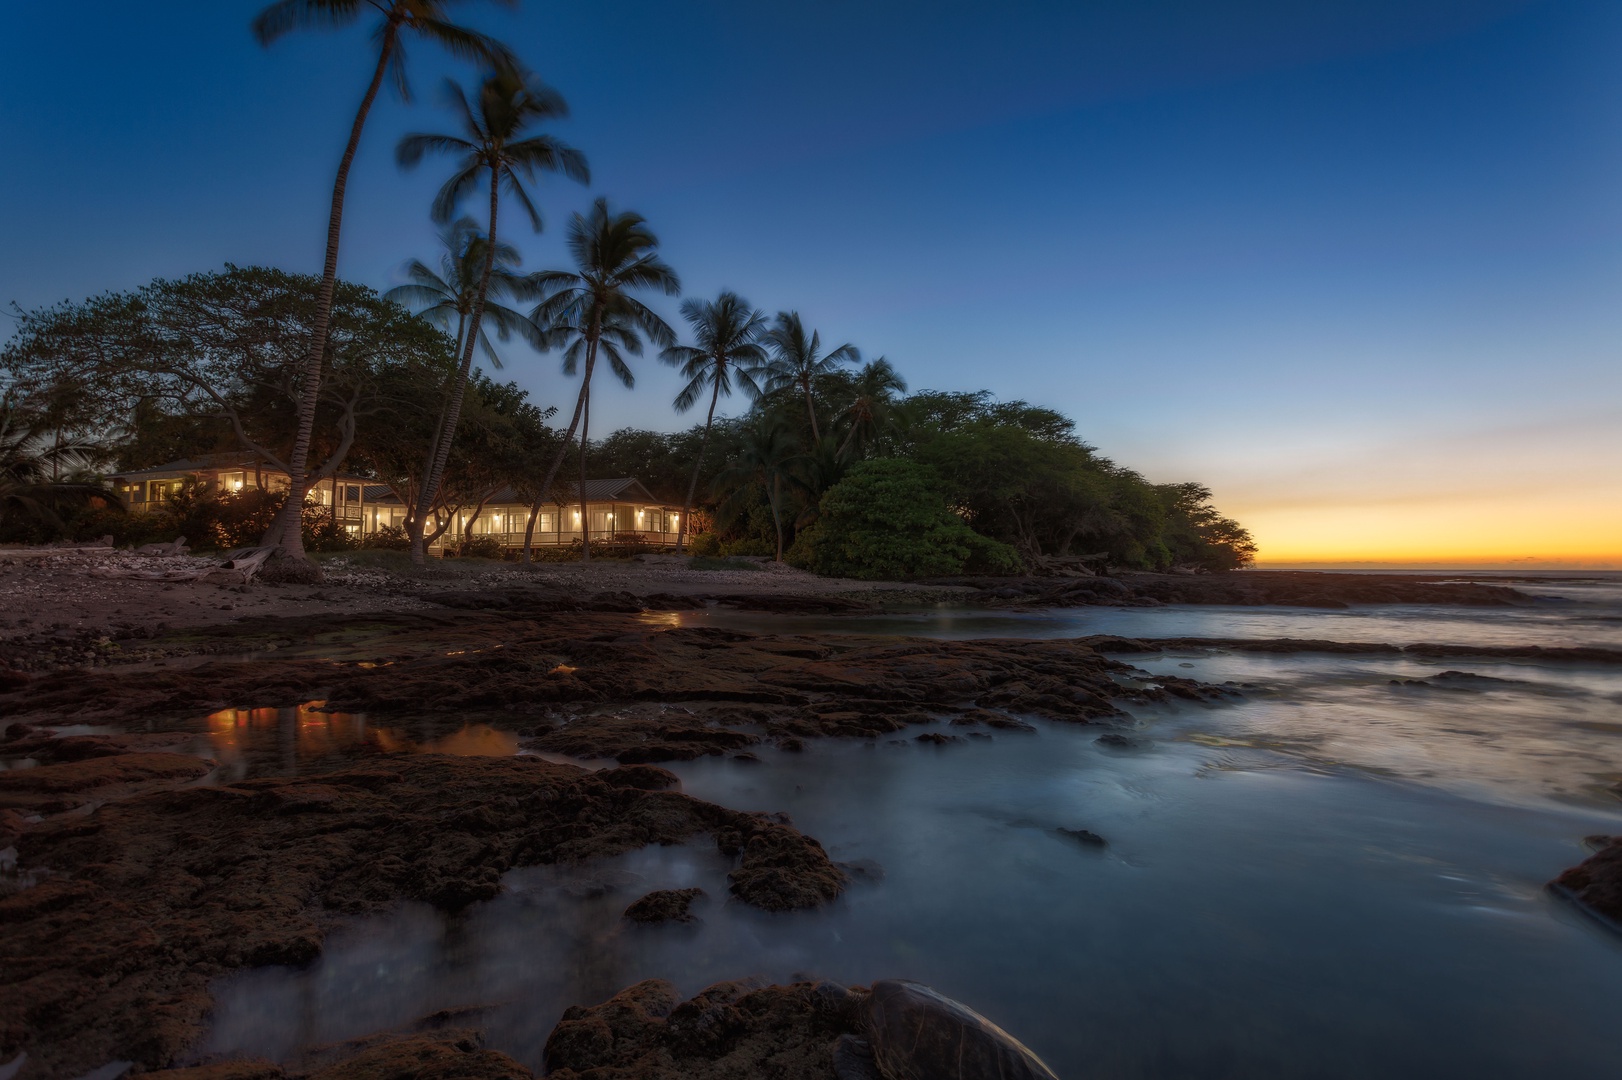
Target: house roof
{"type": "Point", "coordinates": [618, 489]}
{"type": "Point", "coordinates": [234, 460]}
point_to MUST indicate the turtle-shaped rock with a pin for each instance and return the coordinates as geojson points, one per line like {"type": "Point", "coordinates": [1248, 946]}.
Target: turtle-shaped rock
{"type": "Point", "coordinates": [913, 1033]}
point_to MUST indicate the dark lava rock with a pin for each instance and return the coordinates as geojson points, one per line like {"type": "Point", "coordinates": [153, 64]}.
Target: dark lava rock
{"type": "Point", "coordinates": [1085, 837]}
{"type": "Point", "coordinates": [109, 957]}
{"type": "Point", "coordinates": [937, 738]}
{"type": "Point", "coordinates": [790, 604]}
{"type": "Point", "coordinates": [730, 1031]}
{"type": "Point", "coordinates": [665, 905]}
{"type": "Point", "coordinates": [1116, 740]}
{"type": "Point", "coordinates": [1595, 884]}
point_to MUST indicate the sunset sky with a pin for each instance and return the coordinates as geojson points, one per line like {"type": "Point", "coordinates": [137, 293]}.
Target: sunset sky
{"type": "Point", "coordinates": [1354, 264]}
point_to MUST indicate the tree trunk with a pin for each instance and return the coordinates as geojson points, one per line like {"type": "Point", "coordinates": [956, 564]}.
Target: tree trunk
{"type": "Point", "coordinates": [453, 411]}
{"type": "Point", "coordinates": [777, 520]}
{"type": "Point", "coordinates": [811, 410]}
{"type": "Point", "coordinates": [585, 515]}
{"type": "Point", "coordinates": [563, 447]}
{"type": "Point", "coordinates": [692, 488]}
{"type": "Point", "coordinates": [287, 532]}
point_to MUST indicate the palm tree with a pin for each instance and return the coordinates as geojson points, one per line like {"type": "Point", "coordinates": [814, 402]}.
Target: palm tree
{"type": "Point", "coordinates": [766, 460]}
{"type": "Point", "coordinates": [38, 474]}
{"type": "Point", "coordinates": [425, 18]}
{"type": "Point", "coordinates": [727, 331]}
{"type": "Point", "coordinates": [797, 361]}
{"type": "Point", "coordinates": [873, 394]}
{"type": "Point", "coordinates": [591, 308]}
{"type": "Point", "coordinates": [446, 297]}
{"type": "Point", "coordinates": [493, 141]}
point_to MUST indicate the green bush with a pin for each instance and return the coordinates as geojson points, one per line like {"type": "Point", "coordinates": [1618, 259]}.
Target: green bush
{"type": "Point", "coordinates": [480, 547]}
{"type": "Point", "coordinates": [388, 538]}
{"type": "Point", "coordinates": [888, 520]}
{"type": "Point", "coordinates": [704, 545]}
{"type": "Point", "coordinates": [748, 545]}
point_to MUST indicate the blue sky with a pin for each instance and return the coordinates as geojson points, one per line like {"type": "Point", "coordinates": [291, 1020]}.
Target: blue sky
{"type": "Point", "coordinates": [1356, 265]}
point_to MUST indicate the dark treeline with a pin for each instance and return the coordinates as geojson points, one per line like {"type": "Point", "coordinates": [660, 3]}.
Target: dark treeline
{"type": "Point", "coordinates": [833, 466]}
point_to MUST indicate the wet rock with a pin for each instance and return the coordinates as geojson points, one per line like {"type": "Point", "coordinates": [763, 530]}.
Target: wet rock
{"type": "Point", "coordinates": [1595, 884]}
{"type": "Point", "coordinates": [937, 738]}
{"type": "Point", "coordinates": [664, 905]}
{"type": "Point", "coordinates": [252, 1069]}
{"type": "Point", "coordinates": [791, 604]}
{"type": "Point", "coordinates": [1084, 837]}
{"type": "Point", "coordinates": [1117, 740]}
{"type": "Point", "coordinates": [781, 869]}
{"type": "Point", "coordinates": [110, 956]}
{"type": "Point", "coordinates": [56, 787]}
{"type": "Point", "coordinates": [727, 1032]}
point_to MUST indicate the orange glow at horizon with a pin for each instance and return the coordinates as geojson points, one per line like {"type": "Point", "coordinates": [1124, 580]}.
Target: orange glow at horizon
{"type": "Point", "coordinates": [1462, 531]}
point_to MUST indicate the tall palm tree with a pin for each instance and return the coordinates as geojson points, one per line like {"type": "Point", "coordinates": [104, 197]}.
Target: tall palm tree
{"type": "Point", "coordinates": [426, 19]}
{"type": "Point", "coordinates": [494, 142]}
{"type": "Point", "coordinates": [872, 403]}
{"type": "Point", "coordinates": [592, 309]}
{"type": "Point", "coordinates": [727, 331]}
{"type": "Point", "coordinates": [797, 360]}
{"type": "Point", "coordinates": [766, 460]}
{"type": "Point", "coordinates": [446, 297]}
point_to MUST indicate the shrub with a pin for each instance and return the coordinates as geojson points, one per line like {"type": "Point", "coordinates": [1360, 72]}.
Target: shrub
{"type": "Point", "coordinates": [888, 520]}
{"type": "Point", "coordinates": [704, 545]}
{"type": "Point", "coordinates": [748, 545]}
{"type": "Point", "coordinates": [322, 531]}
{"type": "Point", "coordinates": [480, 547]}
{"type": "Point", "coordinates": [388, 538]}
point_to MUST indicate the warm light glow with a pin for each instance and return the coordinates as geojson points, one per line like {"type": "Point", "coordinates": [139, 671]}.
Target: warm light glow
{"type": "Point", "coordinates": [1509, 531]}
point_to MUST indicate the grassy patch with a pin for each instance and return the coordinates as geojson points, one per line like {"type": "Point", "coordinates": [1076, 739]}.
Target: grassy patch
{"type": "Point", "coordinates": [709, 562]}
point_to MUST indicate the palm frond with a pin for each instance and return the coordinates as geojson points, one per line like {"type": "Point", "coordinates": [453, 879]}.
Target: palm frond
{"type": "Point", "coordinates": [285, 16]}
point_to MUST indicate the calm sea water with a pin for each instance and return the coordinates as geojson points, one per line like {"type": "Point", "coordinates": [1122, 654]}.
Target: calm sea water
{"type": "Point", "coordinates": [1337, 876]}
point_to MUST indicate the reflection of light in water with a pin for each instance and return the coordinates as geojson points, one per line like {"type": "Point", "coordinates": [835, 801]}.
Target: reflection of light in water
{"type": "Point", "coordinates": [303, 733]}
{"type": "Point", "coordinates": [663, 620]}
{"type": "Point", "coordinates": [473, 740]}
{"type": "Point", "coordinates": [288, 738]}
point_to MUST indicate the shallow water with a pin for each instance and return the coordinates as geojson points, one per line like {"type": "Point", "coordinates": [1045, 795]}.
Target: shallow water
{"type": "Point", "coordinates": [1334, 877]}
{"type": "Point", "coordinates": [1561, 613]}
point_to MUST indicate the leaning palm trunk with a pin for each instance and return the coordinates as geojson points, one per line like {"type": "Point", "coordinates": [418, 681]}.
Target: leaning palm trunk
{"type": "Point", "coordinates": [287, 531]}
{"type": "Point", "coordinates": [692, 488]}
{"type": "Point", "coordinates": [585, 516]}
{"type": "Point", "coordinates": [557, 459]}
{"type": "Point", "coordinates": [453, 411]}
{"type": "Point", "coordinates": [811, 410]}
{"type": "Point", "coordinates": [777, 518]}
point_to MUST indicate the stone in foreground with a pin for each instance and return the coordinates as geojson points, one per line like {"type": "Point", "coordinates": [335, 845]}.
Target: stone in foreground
{"type": "Point", "coordinates": [914, 1033]}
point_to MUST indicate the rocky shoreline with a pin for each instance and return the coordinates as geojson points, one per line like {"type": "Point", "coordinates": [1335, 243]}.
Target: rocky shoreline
{"type": "Point", "coordinates": [135, 871]}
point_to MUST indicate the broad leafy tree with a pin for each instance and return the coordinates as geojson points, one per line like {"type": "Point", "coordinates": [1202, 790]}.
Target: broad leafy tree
{"type": "Point", "coordinates": [226, 350]}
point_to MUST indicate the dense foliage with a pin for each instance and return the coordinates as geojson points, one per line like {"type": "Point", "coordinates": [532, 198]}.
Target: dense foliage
{"type": "Point", "coordinates": [888, 520]}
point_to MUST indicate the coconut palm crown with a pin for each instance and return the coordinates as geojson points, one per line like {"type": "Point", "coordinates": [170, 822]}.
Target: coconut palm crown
{"type": "Point", "coordinates": [727, 335]}
{"type": "Point", "coordinates": [493, 144]}
{"type": "Point", "coordinates": [400, 18]}
{"type": "Point", "coordinates": [589, 311]}
{"type": "Point", "coordinates": [797, 361]}
{"type": "Point", "coordinates": [446, 297]}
